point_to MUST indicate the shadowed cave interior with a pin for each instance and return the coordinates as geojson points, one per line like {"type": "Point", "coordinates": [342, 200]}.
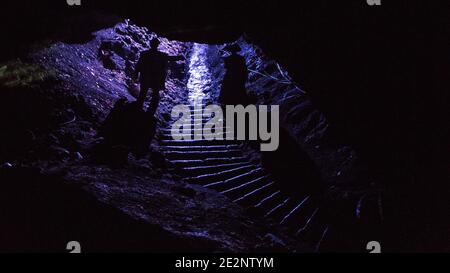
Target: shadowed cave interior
{"type": "Point", "coordinates": [262, 205]}
{"type": "Point", "coordinates": [322, 190]}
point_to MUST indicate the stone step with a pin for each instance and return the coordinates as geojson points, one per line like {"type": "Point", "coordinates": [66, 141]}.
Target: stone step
{"type": "Point", "coordinates": [292, 214]}
{"type": "Point", "coordinates": [181, 163]}
{"type": "Point", "coordinates": [191, 125]}
{"type": "Point", "coordinates": [320, 238]}
{"type": "Point", "coordinates": [215, 176]}
{"type": "Point", "coordinates": [197, 108]}
{"type": "Point", "coordinates": [295, 211]}
{"type": "Point", "coordinates": [205, 169]}
{"type": "Point", "coordinates": [252, 197]}
{"type": "Point", "coordinates": [314, 229]}
{"type": "Point", "coordinates": [193, 130]}
{"type": "Point", "coordinates": [235, 181]}
{"type": "Point", "coordinates": [311, 221]}
{"type": "Point", "coordinates": [278, 207]}
{"type": "Point", "coordinates": [195, 117]}
{"type": "Point", "coordinates": [191, 136]}
{"type": "Point", "coordinates": [201, 147]}
{"type": "Point", "coordinates": [175, 155]}
{"type": "Point", "coordinates": [202, 142]}
{"type": "Point", "coordinates": [196, 113]}
{"type": "Point", "coordinates": [200, 107]}
{"type": "Point", "coordinates": [269, 201]}
{"type": "Point", "coordinates": [240, 190]}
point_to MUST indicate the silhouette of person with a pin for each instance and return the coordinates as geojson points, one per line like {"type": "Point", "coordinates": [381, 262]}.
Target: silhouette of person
{"type": "Point", "coordinates": [233, 85]}
{"type": "Point", "coordinates": [152, 71]}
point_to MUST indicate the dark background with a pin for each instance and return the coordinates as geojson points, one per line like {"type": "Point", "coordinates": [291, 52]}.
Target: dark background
{"type": "Point", "coordinates": [379, 73]}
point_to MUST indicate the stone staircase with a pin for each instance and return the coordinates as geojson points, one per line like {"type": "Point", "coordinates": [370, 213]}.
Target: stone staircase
{"type": "Point", "coordinates": [223, 166]}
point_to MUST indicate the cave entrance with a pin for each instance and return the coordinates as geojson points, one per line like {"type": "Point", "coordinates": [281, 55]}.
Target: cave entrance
{"type": "Point", "coordinates": [200, 75]}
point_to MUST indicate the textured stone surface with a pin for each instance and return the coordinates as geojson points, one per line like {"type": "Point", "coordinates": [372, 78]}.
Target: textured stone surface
{"type": "Point", "coordinates": [86, 80]}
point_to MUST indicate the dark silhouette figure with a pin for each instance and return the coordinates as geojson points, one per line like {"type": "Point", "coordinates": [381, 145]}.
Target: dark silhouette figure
{"type": "Point", "coordinates": [233, 85]}
{"type": "Point", "coordinates": [152, 71]}
{"type": "Point", "coordinates": [291, 157]}
{"type": "Point", "coordinates": [127, 128]}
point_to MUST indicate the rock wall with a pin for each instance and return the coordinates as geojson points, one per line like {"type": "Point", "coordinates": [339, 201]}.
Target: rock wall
{"type": "Point", "coordinates": [271, 84]}
{"type": "Point", "coordinates": [139, 206]}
